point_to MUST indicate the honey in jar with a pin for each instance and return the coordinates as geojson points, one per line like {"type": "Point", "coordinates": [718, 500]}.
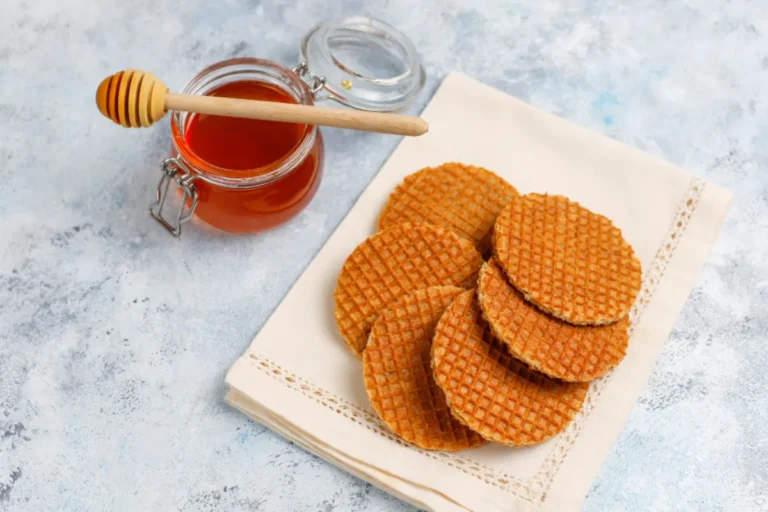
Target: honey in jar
{"type": "Point", "coordinates": [245, 175]}
{"type": "Point", "coordinates": [248, 148]}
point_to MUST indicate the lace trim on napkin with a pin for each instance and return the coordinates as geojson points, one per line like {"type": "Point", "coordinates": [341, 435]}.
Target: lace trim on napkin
{"type": "Point", "coordinates": [372, 422]}
{"type": "Point", "coordinates": [546, 474]}
{"type": "Point", "coordinates": [534, 490]}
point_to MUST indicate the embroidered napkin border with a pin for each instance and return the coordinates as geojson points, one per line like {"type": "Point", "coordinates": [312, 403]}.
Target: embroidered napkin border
{"type": "Point", "coordinates": [533, 490]}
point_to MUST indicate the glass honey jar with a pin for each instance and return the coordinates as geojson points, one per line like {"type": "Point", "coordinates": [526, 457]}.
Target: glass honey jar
{"type": "Point", "coordinates": [245, 175]}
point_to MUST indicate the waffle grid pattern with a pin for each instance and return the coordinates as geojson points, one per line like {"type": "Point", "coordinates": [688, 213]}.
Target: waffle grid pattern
{"type": "Point", "coordinates": [463, 198]}
{"type": "Point", "coordinates": [534, 490]}
{"type": "Point", "coordinates": [494, 394]}
{"type": "Point", "coordinates": [557, 349]}
{"type": "Point", "coordinates": [572, 263]}
{"type": "Point", "coordinates": [392, 263]}
{"type": "Point", "coordinates": [398, 374]}
{"type": "Point", "coordinates": [371, 421]}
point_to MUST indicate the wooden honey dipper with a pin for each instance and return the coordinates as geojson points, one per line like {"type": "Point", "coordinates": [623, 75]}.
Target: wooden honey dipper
{"type": "Point", "coordinates": [134, 99]}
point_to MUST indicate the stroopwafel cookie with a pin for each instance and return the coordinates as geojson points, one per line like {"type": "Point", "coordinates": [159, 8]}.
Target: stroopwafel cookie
{"type": "Point", "coordinates": [569, 261]}
{"type": "Point", "coordinates": [463, 198]}
{"type": "Point", "coordinates": [398, 375]}
{"type": "Point", "coordinates": [558, 349]}
{"type": "Point", "coordinates": [393, 263]}
{"type": "Point", "coordinates": [488, 390]}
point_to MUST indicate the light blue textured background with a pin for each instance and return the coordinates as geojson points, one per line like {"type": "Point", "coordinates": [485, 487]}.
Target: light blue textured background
{"type": "Point", "coordinates": [115, 338]}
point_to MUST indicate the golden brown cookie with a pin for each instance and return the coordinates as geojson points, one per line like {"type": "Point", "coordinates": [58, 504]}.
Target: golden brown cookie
{"type": "Point", "coordinates": [573, 353]}
{"type": "Point", "coordinates": [398, 376]}
{"type": "Point", "coordinates": [393, 263]}
{"type": "Point", "coordinates": [463, 198]}
{"type": "Point", "coordinates": [569, 261]}
{"type": "Point", "coordinates": [488, 390]}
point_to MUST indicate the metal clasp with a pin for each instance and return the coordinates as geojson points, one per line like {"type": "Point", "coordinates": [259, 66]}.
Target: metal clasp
{"type": "Point", "coordinates": [315, 83]}
{"type": "Point", "coordinates": [175, 170]}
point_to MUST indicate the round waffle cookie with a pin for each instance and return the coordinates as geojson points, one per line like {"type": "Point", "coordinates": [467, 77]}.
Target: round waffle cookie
{"type": "Point", "coordinates": [573, 353]}
{"type": "Point", "coordinates": [398, 376]}
{"type": "Point", "coordinates": [463, 198]}
{"type": "Point", "coordinates": [569, 261]}
{"type": "Point", "coordinates": [488, 390]}
{"type": "Point", "coordinates": [393, 263]}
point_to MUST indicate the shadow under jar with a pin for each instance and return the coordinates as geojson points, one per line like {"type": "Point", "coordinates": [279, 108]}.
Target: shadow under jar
{"type": "Point", "coordinates": [247, 175]}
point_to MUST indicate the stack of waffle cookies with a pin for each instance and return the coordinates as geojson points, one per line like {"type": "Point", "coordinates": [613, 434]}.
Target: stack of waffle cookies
{"type": "Point", "coordinates": [481, 314]}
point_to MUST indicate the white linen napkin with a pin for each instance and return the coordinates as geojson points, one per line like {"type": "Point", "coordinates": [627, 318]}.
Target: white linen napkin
{"type": "Point", "coordinates": [299, 378]}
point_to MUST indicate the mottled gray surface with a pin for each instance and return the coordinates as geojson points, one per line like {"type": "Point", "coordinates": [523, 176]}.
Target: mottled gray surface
{"type": "Point", "coordinates": [115, 338]}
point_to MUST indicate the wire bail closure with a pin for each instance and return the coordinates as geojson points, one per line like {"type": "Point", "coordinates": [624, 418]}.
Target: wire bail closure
{"type": "Point", "coordinates": [315, 83]}
{"type": "Point", "coordinates": [175, 170]}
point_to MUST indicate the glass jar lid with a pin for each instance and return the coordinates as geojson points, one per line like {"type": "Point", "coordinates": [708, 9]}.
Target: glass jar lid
{"type": "Point", "coordinates": [367, 64]}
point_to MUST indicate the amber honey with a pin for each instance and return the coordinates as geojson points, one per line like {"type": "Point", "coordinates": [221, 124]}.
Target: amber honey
{"type": "Point", "coordinates": [243, 144]}
{"type": "Point", "coordinates": [245, 176]}
{"type": "Point", "coordinates": [243, 150]}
